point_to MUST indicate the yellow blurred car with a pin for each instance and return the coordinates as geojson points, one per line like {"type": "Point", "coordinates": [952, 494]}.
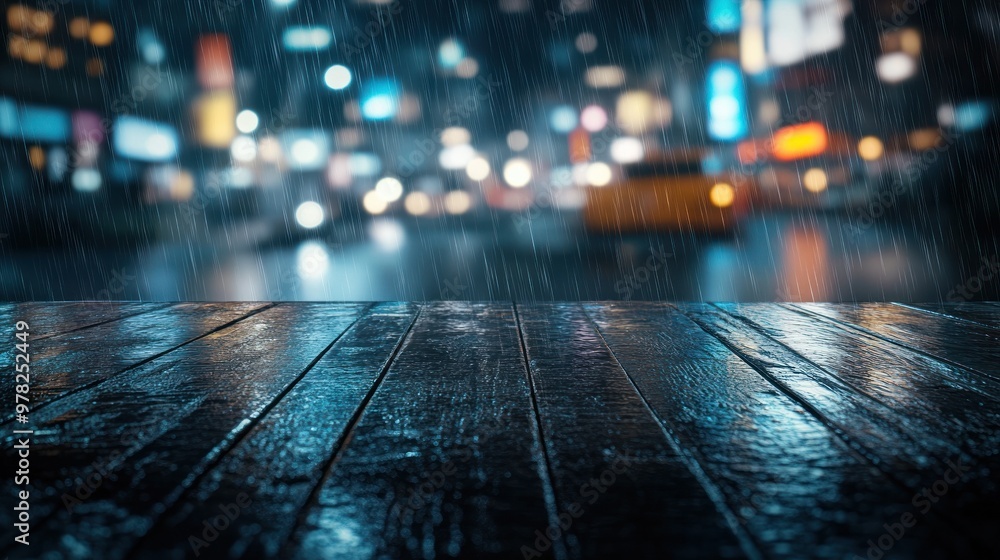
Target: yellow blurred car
{"type": "Point", "coordinates": [669, 193]}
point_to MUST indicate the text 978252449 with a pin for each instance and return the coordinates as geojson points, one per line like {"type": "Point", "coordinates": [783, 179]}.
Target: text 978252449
{"type": "Point", "coordinates": [22, 436]}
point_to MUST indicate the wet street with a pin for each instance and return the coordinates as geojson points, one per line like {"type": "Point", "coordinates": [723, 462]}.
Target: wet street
{"type": "Point", "coordinates": [791, 257]}
{"type": "Point", "coordinates": [563, 431]}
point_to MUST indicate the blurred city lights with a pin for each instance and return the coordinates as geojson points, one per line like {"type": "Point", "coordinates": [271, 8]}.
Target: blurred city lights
{"type": "Point", "coordinates": [151, 49]}
{"type": "Point", "coordinates": [563, 119]}
{"type": "Point", "coordinates": [799, 141]}
{"type": "Point", "coordinates": [144, 140]}
{"type": "Point", "coordinates": [364, 164]}
{"type": "Point", "coordinates": [946, 115]}
{"type": "Point", "coordinates": [302, 38]}
{"type": "Point", "coordinates": [244, 149]}
{"type": "Point", "coordinates": [478, 169]}
{"type": "Point", "coordinates": [753, 47]}
{"type": "Point", "coordinates": [924, 139]}
{"type": "Point", "coordinates": [310, 215]}
{"type": "Point", "coordinates": [594, 118]}
{"type": "Point", "coordinates": [390, 189]}
{"type": "Point", "coordinates": [36, 156]}
{"type": "Point", "coordinates": [269, 149]}
{"type": "Point", "coordinates": [586, 42]}
{"type": "Point", "coordinates": [33, 122]}
{"type": "Point", "coordinates": [86, 180]}
{"type": "Point", "coordinates": [374, 203]}
{"type": "Point", "coordinates": [910, 41]}
{"type": "Point", "coordinates": [307, 150]}
{"type": "Point", "coordinates": [312, 260]}
{"type": "Point", "coordinates": [722, 195]}
{"type": "Point", "coordinates": [517, 172]}
{"type": "Point", "coordinates": [380, 100]}
{"type": "Point", "coordinates": [591, 104]}
{"type": "Point", "coordinates": [450, 53]}
{"type": "Point", "coordinates": [634, 111]}
{"type": "Point", "coordinates": [417, 203]}
{"type": "Point", "coordinates": [798, 29]}
{"type": "Point", "coordinates": [870, 148]}
{"type": "Point", "coordinates": [468, 68]}
{"type": "Point", "coordinates": [239, 178]}
{"type": "Point", "coordinates": [727, 119]}
{"type": "Point", "coordinates": [723, 15]}
{"type": "Point", "coordinates": [456, 157]}
{"type": "Point", "coordinates": [605, 77]}
{"type": "Point", "coordinates": [457, 202]}
{"type": "Point", "coordinates": [79, 27]}
{"type": "Point", "coordinates": [101, 34]}
{"type": "Point", "coordinates": [518, 140]}
{"type": "Point", "coordinates": [973, 115]}
{"type": "Point", "coordinates": [814, 180]}
{"type": "Point", "coordinates": [627, 150]}
{"type": "Point", "coordinates": [247, 121]}
{"type": "Point", "coordinates": [216, 113]}
{"type": "Point", "coordinates": [337, 77]}
{"type": "Point", "coordinates": [455, 136]}
{"type": "Point", "coordinates": [599, 174]}
{"type": "Point", "coordinates": [214, 61]}
{"type": "Point", "coordinates": [896, 67]}
{"type": "Point", "coordinates": [387, 234]}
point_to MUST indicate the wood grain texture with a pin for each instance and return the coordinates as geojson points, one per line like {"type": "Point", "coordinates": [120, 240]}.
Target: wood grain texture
{"type": "Point", "coordinates": [563, 431]}
{"type": "Point", "coordinates": [794, 484]}
{"type": "Point", "coordinates": [445, 459]}
{"type": "Point", "coordinates": [163, 424]}
{"type": "Point", "coordinates": [78, 359]}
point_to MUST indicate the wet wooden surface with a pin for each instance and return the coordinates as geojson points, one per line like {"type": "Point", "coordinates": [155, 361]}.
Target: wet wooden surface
{"type": "Point", "coordinates": [498, 431]}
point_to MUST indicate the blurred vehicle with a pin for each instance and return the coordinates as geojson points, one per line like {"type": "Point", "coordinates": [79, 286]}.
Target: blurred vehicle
{"type": "Point", "coordinates": [807, 166]}
{"type": "Point", "coordinates": [670, 192]}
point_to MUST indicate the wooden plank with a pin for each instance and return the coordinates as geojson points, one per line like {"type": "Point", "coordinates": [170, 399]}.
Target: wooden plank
{"type": "Point", "coordinates": [48, 320]}
{"type": "Point", "coordinates": [77, 360]}
{"type": "Point", "coordinates": [949, 340]}
{"type": "Point", "coordinates": [280, 461]}
{"type": "Point", "coordinates": [445, 460]}
{"type": "Point", "coordinates": [893, 374]}
{"type": "Point", "coordinates": [985, 314]}
{"type": "Point", "coordinates": [622, 488]}
{"type": "Point", "coordinates": [159, 426]}
{"type": "Point", "coordinates": [918, 390]}
{"type": "Point", "coordinates": [909, 452]}
{"type": "Point", "coordinates": [799, 490]}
